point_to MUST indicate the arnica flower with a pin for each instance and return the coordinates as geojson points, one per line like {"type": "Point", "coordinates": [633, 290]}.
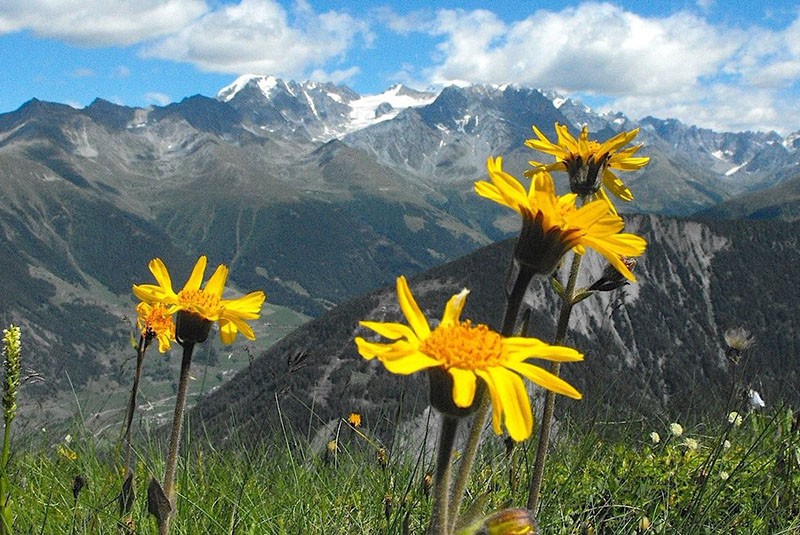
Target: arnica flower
{"type": "Point", "coordinates": [589, 163]}
{"type": "Point", "coordinates": [468, 353]}
{"type": "Point", "coordinates": [199, 307]}
{"type": "Point", "coordinates": [155, 322]}
{"type": "Point", "coordinates": [354, 419]}
{"type": "Point", "coordinates": [552, 225]}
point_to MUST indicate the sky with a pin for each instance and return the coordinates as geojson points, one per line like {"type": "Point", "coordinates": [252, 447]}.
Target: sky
{"type": "Point", "coordinates": [725, 65]}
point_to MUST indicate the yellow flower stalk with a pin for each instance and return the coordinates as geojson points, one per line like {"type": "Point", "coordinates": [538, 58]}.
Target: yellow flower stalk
{"type": "Point", "coordinates": [155, 322]}
{"type": "Point", "coordinates": [468, 354]}
{"type": "Point", "coordinates": [589, 163]}
{"type": "Point", "coordinates": [553, 225]}
{"type": "Point", "coordinates": [205, 303]}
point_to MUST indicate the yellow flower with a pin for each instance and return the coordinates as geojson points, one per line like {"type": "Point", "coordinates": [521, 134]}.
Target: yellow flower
{"type": "Point", "coordinates": [66, 453]}
{"type": "Point", "coordinates": [354, 419]}
{"type": "Point", "coordinates": [467, 353]}
{"type": "Point", "coordinates": [155, 322]}
{"type": "Point", "coordinates": [206, 303]}
{"type": "Point", "coordinates": [588, 162]}
{"type": "Point", "coordinates": [553, 225]}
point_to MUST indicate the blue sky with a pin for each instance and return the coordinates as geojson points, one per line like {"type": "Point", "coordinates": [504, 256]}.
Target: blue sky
{"type": "Point", "coordinates": [726, 65]}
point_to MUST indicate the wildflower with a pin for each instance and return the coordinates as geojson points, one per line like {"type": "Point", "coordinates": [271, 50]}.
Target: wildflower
{"type": "Point", "coordinates": [655, 438]}
{"type": "Point", "coordinates": [12, 362]}
{"type": "Point", "coordinates": [332, 446]}
{"type": "Point", "coordinates": [676, 429]}
{"type": "Point", "coordinates": [66, 453]}
{"type": "Point", "coordinates": [739, 339]}
{"type": "Point", "coordinates": [589, 163]}
{"type": "Point", "coordinates": [553, 225]}
{"type": "Point", "coordinates": [466, 353]}
{"type": "Point", "coordinates": [354, 419]}
{"type": "Point", "coordinates": [691, 444]}
{"type": "Point", "coordinates": [644, 524]}
{"type": "Point", "coordinates": [726, 445]}
{"type": "Point", "coordinates": [724, 475]}
{"type": "Point", "coordinates": [199, 308]}
{"type": "Point", "coordinates": [735, 419]}
{"type": "Point", "coordinates": [755, 400]}
{"type": "Point", "coordinates": [155, 322]}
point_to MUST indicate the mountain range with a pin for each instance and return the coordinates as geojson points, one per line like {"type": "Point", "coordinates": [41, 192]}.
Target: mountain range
{"type": "Point", "coordinates": [309, 191]}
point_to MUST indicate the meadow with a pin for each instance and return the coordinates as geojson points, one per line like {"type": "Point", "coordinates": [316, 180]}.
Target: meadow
{"type": "Point", "coordinates": [740, 475]}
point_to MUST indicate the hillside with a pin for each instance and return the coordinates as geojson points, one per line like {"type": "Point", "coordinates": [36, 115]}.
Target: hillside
{"type": "Point", "coordinates": [654, 350]}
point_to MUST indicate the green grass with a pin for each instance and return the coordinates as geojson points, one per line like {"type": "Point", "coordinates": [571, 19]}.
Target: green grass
{"type": "Point", "coordinates": [593, 483]}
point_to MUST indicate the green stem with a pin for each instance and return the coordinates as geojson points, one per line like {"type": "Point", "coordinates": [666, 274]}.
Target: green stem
{"type": "Point", "coordinates": [5, 511]}
{"type": "Point", "coordinates": [567, 301]}
{"type": "Point", "coordinates": [175, 436]}
{"type": "Point", "coordinates": [439, 516]}
{"type": "Point", "coordinates": [140, 350]}
{"type": "Point", "coordinates": [467, 460]}
{"type": "Point", "coordinates": [515, 299]}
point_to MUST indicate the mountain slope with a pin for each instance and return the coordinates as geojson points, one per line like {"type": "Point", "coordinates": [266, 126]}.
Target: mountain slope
{"type": "Point", "coordinates": [653, 350]}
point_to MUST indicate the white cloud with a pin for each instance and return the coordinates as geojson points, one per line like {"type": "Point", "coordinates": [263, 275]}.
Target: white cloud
{"type": "Point", "coordinates": [592, 47]}
{"type": "Point", "coordinates": [82, 72]}
{"type": "Point", "coordinates": [155, 97]}
{"type": "Point", "coordinates": [257, 36]}
{"type": "Point", "coordinates": [677, 66]}
{"type": "Point", "coordinates": [98, 22]}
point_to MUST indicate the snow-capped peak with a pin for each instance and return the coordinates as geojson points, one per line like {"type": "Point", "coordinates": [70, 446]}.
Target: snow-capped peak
{"type": "Point", "coordinates": [265, 83]}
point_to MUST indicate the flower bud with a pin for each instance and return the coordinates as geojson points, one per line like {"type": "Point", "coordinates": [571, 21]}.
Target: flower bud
{"type": "Point", "coordinates": [504, 522]}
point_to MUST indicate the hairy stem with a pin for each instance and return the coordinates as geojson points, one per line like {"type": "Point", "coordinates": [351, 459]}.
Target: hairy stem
{"type": "Point", "coordinates": [175, 435]}
{"type": "Point", "coordinates": [567, 301]}
{"type": "Point", "coordinates": [439, 517]}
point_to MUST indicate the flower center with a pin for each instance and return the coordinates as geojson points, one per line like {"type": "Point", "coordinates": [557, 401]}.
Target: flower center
{"type": "Point", "coordinates": [157, 321]}
{"type": "Point", "coordinates": [465, 346]}
{"type": "Point", "coordinates": [198, 301]}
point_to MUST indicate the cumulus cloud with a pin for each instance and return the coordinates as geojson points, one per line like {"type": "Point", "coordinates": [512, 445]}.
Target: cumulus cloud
{"type": "Point", "coordinates": [99, 22]}
{"type": "Point", "coordinates": [596, 47]}
{"type": "Point", "coordinates": [155, 97]}
{"type": "Point", "coordinates": [257, 36]}
{"type": "Point", "coordinates": [678, 65]}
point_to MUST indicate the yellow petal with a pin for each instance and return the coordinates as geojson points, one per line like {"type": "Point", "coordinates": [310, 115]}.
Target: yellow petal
{"type": "Point", "coordinates": [497, 404]}
{"type": "Point", "coordinates": [216, 284]}
{"type": "Point", "coordinates": [520, 348]}
{"type": "Point", "coordinates": [370, 350]}
{"type": "Point", "coordinates": [159, 271]}
{"type": "Point", "coordinates": [196, 278]}
{"type": "Point", "coordinates": [464, 384]}
{"type": "Point", "coordinates": [392, 331]}
{"type": "Point", "coordinates": [411, 363]}
{"type": "Point", "coordinates": [515, 402]}
{"type": "Point", "coordinates": [416, 319]}
{"type": "Point", "coordinates": [544, 379]}
{"type": "Point", "coordinates": [616, 186]}
{"type": "Point", "coordinates": [227, 332]}
{"type": "Point", "coordinates": [452, 311]}
{"type": "Point", "coordinates": [247, 307]}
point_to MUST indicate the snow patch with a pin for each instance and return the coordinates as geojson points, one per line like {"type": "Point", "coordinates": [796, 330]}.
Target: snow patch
{"type": "Point", "coordinates": [733, 170]}
{"type": "Point", "coordinates": [363, 110]}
